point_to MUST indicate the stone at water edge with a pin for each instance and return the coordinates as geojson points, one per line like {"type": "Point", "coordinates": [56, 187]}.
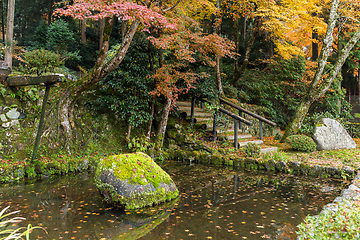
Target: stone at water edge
{"type": "Point", "coordinates": [133, 181]}
{"type": "Point", "coordinates": [330, 135]}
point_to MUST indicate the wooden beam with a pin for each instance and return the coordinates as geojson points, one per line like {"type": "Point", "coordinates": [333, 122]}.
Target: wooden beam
{"type": "Point", "coordinates": [29, 80]}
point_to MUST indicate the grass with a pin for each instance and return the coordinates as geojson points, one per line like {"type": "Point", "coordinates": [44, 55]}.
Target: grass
{"type": "Point", "coordinates": [9, 229]}
{"type": "Point", "coordinates": [336, 158]}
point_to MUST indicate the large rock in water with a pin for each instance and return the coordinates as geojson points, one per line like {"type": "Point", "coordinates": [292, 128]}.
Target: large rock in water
{"type": "Point", "coordinates": [329, 134]}
{"type": "Point", "coordinates": [133, 181]}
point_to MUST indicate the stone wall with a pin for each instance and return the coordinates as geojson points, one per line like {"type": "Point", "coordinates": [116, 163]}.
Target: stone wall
{"type": "Point", "coordinates": [20, 110]}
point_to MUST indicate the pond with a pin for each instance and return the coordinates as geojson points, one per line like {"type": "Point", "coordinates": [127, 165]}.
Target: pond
{"type": "Point", "coordinates": [214, 203]}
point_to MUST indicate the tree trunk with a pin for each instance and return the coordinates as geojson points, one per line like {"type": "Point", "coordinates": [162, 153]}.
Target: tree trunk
{"type": "Point", "coordinates": [315, 46]}
{"type": "Point", "coordinates": [129, 131]}
{"type": "Point", "coordinates": [358, 78]}
{"type": "Point", "coordinates": [249, 46]}
{"type": "Point", "coordinates": [50, 11]}
{"type": "Point", "coordinates": [64, 116]}
{"type": "Point", "coordinates": [317, 90]}
{"type": "Point", "coordinates": [152, 110]}
{"type": "Point", "coordinates": [98, 72]}
{"type": "Point", "coordinates": [162, 128]}
{"type": "Point", "coordinates": [217, 66]}
{"type": "Point", "coordinates": [9, 33]}
{"type": "Point", "coordinates": [101, 69]}
{"type": "Point", "coordinates": [237, 48]}
{"type": "Point", "coordinates": [152, 107]}
{"type": "Point", "coordinates": [83, 31]}
{"type": "Point", "coordinates": [123, 27]}
{"type": "Point", "coordinates": [2, 21]}
{"type": "Point", "coordinates": [218, 76]}
{"type": "Point", "coordinates": [101, 31]}
{"type": "Point", "coordinates": [298, 118]}
{"type": "Point", "coordinates": [243, 27]}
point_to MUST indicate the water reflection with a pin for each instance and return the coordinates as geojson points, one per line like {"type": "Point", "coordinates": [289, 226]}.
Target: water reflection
{"type": "Point", "coordinates": [213, 204]}
{"type": "Point", "coordinates": [138, 223]}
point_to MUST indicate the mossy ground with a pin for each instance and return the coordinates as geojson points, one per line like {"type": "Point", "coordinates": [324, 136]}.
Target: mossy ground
{"type": "Point", "coordinates": [14, 170]}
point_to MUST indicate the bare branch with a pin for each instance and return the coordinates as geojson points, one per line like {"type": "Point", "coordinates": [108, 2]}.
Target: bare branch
{"type": "Point", "coordinates": [172, 7]}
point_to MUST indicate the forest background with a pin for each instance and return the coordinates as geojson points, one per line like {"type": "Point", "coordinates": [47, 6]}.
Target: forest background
{"type": "Point", "coordinates": [132, 60]}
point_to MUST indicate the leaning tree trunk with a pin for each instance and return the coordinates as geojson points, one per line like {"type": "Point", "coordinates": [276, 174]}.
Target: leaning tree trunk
{"type": "Point", "coordinates": [98, 72]}
{"type": "Point", "coordinates": [317, 89]}
{"type": "Point", "coordinates": [298, 118]}
{"type": "Point", "coordinates": [164, 120]}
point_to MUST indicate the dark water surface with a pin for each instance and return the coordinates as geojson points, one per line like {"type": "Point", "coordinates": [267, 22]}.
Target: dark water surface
{"type": "Point", "coordinates": [213, 204]}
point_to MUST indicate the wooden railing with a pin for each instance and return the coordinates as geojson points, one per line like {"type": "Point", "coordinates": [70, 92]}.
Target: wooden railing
{"type": "Point", "coordinates": [254, 115]}
{"type": "Point", "coordinates": [237, 118]}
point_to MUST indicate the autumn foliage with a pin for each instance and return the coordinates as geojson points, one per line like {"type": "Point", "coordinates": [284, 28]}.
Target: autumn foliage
{"type": "Point", "coordinates": [97, 9]}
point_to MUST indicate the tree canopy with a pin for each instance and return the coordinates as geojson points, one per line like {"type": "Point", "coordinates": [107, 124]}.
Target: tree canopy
{"type": "Point", "coordinates": [256, 51]}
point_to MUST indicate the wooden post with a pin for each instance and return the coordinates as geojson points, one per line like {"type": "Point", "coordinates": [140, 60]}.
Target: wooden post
{"type": "Point", "coordinates": [214, 126]}
{"type": "Point", "coordinates": [261, 129]}
{"type": "Point", "coordinates": [192, 111]}
{"type": "Point", "coordinates": [236, 134]}
{"type": "Point", "coordinates": [38, 136]}
{"type": "Point", "coordinates": [241, 115]}
{"type": "Point", "coordinates": [235, 185]}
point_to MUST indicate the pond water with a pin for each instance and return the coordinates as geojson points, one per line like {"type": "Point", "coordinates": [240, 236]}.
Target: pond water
{"type": "Point", "coordinates": [214, 203]}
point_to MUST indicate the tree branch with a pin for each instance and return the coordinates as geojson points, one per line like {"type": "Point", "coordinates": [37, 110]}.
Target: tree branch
{"type": "Point", "coordinates": [119, 56]}
{"type": "Point", "coordinates": [328, 40]}
{"type": "Point", "coordinates": [172, 7]}
{"type": "Point", "coordinates": [94, 75]}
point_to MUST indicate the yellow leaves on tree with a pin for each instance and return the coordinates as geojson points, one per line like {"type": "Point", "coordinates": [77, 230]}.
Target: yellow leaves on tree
{"type": "Point", "coordinates": [290, 24]}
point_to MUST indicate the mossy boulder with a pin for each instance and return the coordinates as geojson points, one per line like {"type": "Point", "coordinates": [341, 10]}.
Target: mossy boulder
{"type": "Point", "coordinates": [133, 181]}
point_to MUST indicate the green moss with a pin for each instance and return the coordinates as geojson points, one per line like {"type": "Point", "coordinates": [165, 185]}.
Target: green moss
{"type": "Point", "coordinates": [137, 168]}
{"type": "Point", "coordinates": [217, 160]}
{"type": "Point", "coordinates": [136, 200]}
{"type": "Point", "coordinates": [180, 155]}
{"type": "Point", "coordinates": [250, 164]}
{"type": "Point", "coordinates": [171, 133]}
{"type": "Point", "coordinates": [261, 165]}
{"type": "Point", "coordinates": [229, 162]}
{"type": "Point", "coordinates": [202, 158]}
{"type": "Point", "coordinates": [108, 191]}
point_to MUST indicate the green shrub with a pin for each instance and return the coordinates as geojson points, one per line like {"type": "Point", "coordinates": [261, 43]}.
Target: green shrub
{"type": "Point", "coordinates": [252, 150]}
{"type": "Point", "coordinates": [301, 143]}
{"type": "Point", "coordinates": [353, 128]}
{"type": "Point", "coordinates": [39, 62]}
{"type": "Point", "coordinates": [343, 223]}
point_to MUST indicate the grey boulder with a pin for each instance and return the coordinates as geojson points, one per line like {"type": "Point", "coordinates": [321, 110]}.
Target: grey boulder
{"type": "Point", "coordinates": [329, 134]}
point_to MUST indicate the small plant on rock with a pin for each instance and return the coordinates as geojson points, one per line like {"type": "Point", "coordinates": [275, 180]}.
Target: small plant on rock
{"type": "Point", "coordinates": [139, 144]}
{"type": "Point", "coordinates": [252, 150]}
{"type": "Point", "coordinates": [301, 143]}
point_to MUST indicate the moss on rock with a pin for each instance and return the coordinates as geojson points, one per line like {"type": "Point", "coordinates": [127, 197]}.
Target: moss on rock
{"type": "Point", "coordinates": [133, 181]}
